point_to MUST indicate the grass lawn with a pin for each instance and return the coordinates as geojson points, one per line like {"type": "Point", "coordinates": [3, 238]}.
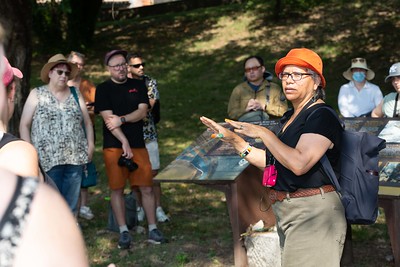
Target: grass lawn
{"type": "Point", "coordinates": [196, 57]}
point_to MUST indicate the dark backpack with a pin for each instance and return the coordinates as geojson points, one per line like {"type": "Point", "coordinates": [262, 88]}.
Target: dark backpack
{"type": "Point", "coordinates": [358, 184]}
{"type": "Point", "coordinates": [130, 214]}
{"type": "Point", "coordinates": [155, 111]}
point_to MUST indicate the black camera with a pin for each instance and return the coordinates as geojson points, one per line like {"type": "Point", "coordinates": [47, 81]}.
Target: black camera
{"type": "Point", "coordinates": [130, 164]}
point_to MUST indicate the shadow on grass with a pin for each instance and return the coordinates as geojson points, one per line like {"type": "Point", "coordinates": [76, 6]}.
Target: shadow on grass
{"type": "Point", "coordinates": [196, 58]}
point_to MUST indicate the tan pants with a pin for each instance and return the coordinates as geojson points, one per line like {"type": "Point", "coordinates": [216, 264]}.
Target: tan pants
{"type": "Point", "coordinates": [311, 230]}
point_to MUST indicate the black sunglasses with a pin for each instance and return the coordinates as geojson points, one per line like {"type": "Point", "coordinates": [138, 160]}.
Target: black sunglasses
{"type": "Point", "coordinates": [60, 72]}
{"type": "Point", "coordinates": [137, 65]}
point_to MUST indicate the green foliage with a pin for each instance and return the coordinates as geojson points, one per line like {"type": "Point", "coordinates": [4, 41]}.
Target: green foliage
{"type": "Point", "coordinates": [82, 18]}
{"type": "Point", "coordinates": [196, 58]}
{"type": "Point", "coordinates": [182, 258]}
{"type": "Point", "coordinates": [65, 25]}
{"type": "Point", "coordinates": [48, 24]}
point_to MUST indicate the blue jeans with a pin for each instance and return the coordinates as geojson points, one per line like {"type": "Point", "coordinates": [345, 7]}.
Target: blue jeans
{"type": "Point", "coordinates": [68, 179]}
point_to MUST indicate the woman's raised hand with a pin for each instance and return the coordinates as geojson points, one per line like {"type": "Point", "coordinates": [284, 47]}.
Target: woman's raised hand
{"type": "Point", "coordinates": [245, 128]}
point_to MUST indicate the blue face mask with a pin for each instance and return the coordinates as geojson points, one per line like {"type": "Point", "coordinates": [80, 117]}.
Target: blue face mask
{"type": "Point", "coordinates": [358, 76]}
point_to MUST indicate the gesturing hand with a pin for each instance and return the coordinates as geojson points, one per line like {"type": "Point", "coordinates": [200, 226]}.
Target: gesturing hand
{"type": "Point", "coordinates": [248, 129]}
{"type": "Point", "coordinates": [228, 135]}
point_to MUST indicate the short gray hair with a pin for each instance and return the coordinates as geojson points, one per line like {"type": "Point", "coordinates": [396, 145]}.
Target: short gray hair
{"type": "Point", "coordinates": [74, 53]}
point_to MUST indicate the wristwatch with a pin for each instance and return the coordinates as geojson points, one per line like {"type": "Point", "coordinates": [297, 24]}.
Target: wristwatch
{"type": "Point", "coordinates": [123, 120]}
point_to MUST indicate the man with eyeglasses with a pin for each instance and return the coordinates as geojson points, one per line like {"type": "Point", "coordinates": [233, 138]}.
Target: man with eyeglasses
{"type": "Point", "coordinates": [257, 98]}
{"type": "Point", "coordinates": [136, 71]}
{"type": "Point", "coordinates": [358, 97]}
{"type": "Point", "coordinates": [123, 104]}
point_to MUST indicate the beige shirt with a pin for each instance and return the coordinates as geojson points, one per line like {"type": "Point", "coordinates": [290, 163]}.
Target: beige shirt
{"type": "Point", "coordinates": [242, 93]}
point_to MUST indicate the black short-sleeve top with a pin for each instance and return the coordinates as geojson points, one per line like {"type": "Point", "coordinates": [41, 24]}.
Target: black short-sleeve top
{"type": "Point", "coordinates": [122, 99]}
{"type": "Point", "coordinates": [322, 122]}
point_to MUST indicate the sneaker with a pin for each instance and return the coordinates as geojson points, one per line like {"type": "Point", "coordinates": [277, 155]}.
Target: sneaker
{"type": "Point", "coordinates": [161, 216]}
{"type": "Point", "coordinates": [86, 213]}
{"type": "Point", "coordinates": [125, 240]}
{"type": "Point", "coordinates": [140, 214]}
{"type": "Point", "coordinates": [156, 237]}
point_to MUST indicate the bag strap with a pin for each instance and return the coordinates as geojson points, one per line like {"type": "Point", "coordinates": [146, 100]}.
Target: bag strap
{"type": "Point", "coordinates": [267, 90]}
{"type": "Point", "coordinates": [326, 165]}
{"type": "Point", "coordinates": [395, 105]}
{"type": "Point", "coordinates": [73, 92]}
{"type": "Point", "coordinates": [269, 158]}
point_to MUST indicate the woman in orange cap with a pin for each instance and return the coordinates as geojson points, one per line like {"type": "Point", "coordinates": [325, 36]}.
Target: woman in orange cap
{"type": "Point", "coordinates": [310, 216]}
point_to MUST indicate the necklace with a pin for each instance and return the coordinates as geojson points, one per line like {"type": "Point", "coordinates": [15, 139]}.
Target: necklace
{"type": "Point", "coordinates": [294, 115]}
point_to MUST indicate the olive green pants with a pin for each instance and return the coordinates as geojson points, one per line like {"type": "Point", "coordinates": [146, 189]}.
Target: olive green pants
{"type": "Point", "coordinates": [311, 230]}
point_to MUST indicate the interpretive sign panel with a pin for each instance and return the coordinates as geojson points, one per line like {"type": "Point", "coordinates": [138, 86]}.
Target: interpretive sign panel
{"type": "Point", "coordinates": [210, 160]}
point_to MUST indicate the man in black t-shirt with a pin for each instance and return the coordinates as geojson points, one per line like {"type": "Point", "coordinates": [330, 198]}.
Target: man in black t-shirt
{"type": "Point", "coordinates": [123, 103]}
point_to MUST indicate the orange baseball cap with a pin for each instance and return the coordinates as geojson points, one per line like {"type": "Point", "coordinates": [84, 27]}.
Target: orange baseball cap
{"type": "Point", "coordinates": [302, 57]}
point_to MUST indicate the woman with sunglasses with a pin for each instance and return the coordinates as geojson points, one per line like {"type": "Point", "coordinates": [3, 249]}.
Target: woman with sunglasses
{"type": "Point", "coordinates": [55, 120]}
{"type": "Point", "coordinates": [358, 97]}
{"type": "Point", "coordinates": [309, 214]}
{"type": "Point", "coordinates": [31, 214]}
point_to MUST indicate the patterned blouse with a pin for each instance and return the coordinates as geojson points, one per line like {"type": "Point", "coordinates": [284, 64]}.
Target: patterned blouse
{"type": "Point", "coordinates": [57, 131]}
{"type": "Point", "coordinates": [14, 219]}
{"type": "Point", "coordinates": [149, 127]}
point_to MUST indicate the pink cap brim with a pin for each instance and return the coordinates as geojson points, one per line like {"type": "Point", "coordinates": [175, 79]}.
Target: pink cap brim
{"type": "Point", "coordinates": [10, 72]}
{"type": "Point", "coordinates": [17, 73]}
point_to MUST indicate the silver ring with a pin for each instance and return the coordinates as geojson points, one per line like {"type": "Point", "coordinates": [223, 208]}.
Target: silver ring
{"type": "Point", "coordinates": [241, 127]}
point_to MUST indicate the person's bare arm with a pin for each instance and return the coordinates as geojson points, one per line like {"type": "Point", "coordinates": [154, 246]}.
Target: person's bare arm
{"type": "Point", "coordinates": [20, 157]}
{"type": "Point", "coordinates": [113, 121]}
{"type": "Point", "coordinates": [27, 116]}
{"type": "Point", "coordinates": [88, 126]}
{"type": "Point", "coordinates": [377, 111]}
{"type": "Point", "coordinates": [308, 151]}
{"type": "Point", "coordinates": [117, 132]}
{"type": "Point", "coordinates": [152, 102]}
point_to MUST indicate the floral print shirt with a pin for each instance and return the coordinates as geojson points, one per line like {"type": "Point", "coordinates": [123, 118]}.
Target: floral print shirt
{"type": "Point", "coordinates": [57, 131]}
{"type": "Point", "coordinates": [149, 128]}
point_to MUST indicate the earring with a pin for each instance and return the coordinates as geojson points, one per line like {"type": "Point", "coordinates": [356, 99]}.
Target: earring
{"type": "Point", "coordinates": [314, 98]}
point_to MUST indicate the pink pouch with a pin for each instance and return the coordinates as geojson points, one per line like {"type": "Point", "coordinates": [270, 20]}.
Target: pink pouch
{"type": "Point", "coordinates": [269, 177]}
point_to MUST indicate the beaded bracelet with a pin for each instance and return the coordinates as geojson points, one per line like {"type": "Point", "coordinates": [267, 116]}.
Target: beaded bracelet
{"type": "Point", "coordinates": [246, 151]}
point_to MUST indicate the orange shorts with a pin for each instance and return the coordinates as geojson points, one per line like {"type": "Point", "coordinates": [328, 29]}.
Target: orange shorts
{"type": "Point", "coordinates": [117, 175]}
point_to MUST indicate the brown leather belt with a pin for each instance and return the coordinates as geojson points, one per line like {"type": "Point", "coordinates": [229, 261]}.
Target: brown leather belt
{"type": "Point", "coordinates": [302, 192]}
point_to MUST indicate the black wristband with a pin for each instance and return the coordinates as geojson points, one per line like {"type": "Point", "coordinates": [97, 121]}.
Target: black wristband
{"type": "Point", "coordinates": [123, 120]}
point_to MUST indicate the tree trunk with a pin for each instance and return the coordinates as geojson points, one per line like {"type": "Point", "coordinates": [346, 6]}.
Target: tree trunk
{"type": "Point", "coordinates": [277, 9]}
{"type": "Point", "coordinates": [81, 23]}
{"type": "Point", "coordinates": [17, 21]}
